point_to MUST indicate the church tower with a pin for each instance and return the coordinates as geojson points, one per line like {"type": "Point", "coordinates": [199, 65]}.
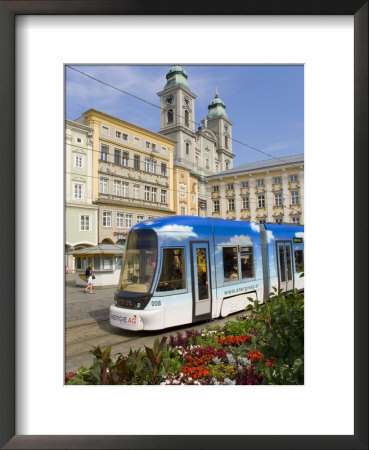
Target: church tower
{"type": "Point", "coordinates": [219, 123]}
{"type": "Point", "coordinates": [177, 116]}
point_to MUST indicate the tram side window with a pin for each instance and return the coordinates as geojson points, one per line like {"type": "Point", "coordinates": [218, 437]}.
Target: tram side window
{"type": "Point", "coordinates": [247, 262]}
{"type": "Point", "coordinates": [173, 274]}
{"type": "Point", "coordinates": [230, 263]}
{"type": "Point", "coordinates": [299, 260]}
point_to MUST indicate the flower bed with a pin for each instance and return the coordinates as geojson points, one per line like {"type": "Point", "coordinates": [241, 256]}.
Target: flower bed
{"type": "Point", "coordinates": [265, 346]}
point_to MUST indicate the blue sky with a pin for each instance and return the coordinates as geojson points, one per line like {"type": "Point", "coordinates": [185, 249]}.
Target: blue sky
{"type": "Point", "coordinates": [265, 103]}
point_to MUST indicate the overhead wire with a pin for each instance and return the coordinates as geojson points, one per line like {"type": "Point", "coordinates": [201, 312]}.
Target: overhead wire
{"type": "Point", "coordinates": [177, 115]}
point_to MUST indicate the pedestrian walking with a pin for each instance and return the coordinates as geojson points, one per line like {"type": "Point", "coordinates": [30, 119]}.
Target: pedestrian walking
{"type": "Point", "coordinates": [89, 277]}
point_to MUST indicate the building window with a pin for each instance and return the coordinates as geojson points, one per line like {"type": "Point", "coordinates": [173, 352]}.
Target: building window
{"type": "Point", "coordinates": [182, 190]}
{"type": "Point", "coordinates": [136, 191]}
{"type": "Point", "coordinates": [125, 137]}
{"type": "Point", "coordinates": [78, 161]}
{"type": "Point", "coordinates": [187, 118]}
{"type": "Point", "coordinates": [207, 163]}
{"type": "Point", "coordinates": [247, 262]}
{"type": "Point", "coordinates": [125, 189]}
{"type": "Point", "coordinates": [85, 223]}
{"type": "Point", "coordinates": [153, 194]}
{"type": "Point", "coordinates": [262, 221]}
{"type": "Point", "coordinates": [118, 134]}
{"type": "Point", "coordinates": [103, 185]}
{"type": "Point", "coordinates": [170, 116]}
{"type": "Point", "coordinates": [294, 197]}
{"type": "Point", "coordinates": [183, 210]}
{"type": "Point", "coordinates": [245, 203]}
{"type": "Point", "coordinates": [293, 178]}
{"type": "Point", "coordinates": [147, 144]}
{"type": "Point", "coordinates": [106, 219]}
{"type": "Point", "coordinates": [187, 148]}
{"type": "Point", "coordinates": [217, 167]}
{"type": "Point", "coordinates": [216, 205]}
{"type": "Point", "coordinates": [139, 219]}
{"type": "Point", "coordinates": [231, 204]}
{"type": "Point", "coordinates": [278, 220]}
{"type": "Point", "coordinates": [215, 188]}
{"type": "Point", "coordinates": [173, 275]}
{"type": "Point", "coordinates": [230, 263]}
{"type": "Point", "coordinates": [245, 184]}
{"type": "Point", "coordinates": [163, 196]}
{"type": "Point", "coordinates": [77, 191]}
{"type": "Point", "coordinates": [226, 142]}
{"type": "Point", "coordinates": [125, 158]}
{"type": "Point", "coordinates": [259, 182]}
{"type": "Point", "coordinates": [227, 165]}
{"type": "Point", "coordinates": [79, 140]}
{"type": "Point", "coordinates": [277, 180]}
{"type": "Point", "coordinates": [153, 147]}
{"type": "Point", "coordinates": [229, 187]}
{"type": "Point", "coordinates": [147, 193]}
{"type": "Point", "coordinates": [104, 151]}
{"type": "Point", "coordinates": [299, 260]}
{"type": "Point", "coordinates": [136, 162]}
{"type": "Point", "coordinates": [150, 165]}
{"type": "Point", "coordinates": [296, 220]}
{"type": "Point", "coordinates": [107, 263]}
{"type": "Point", "coordinates": [116, 187]}
{"type": "Point", "coordinates": [120, 220]}
{"type": "Point", "coordinates": [278, 200]}
{"type": "Point", "coordinates": [163, 170]}
{"type": "Point", "coordinates": [261, 201]}
{"type": "Point", "coordinates": [116, 156]}
{"type": "Point", "coordinates": [128, 220]}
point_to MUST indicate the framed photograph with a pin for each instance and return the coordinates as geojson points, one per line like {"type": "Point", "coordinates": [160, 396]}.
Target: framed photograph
{"type": "Point", "coordinates": [37, 40]}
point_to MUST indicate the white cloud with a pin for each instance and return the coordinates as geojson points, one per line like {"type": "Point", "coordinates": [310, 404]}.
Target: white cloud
{"type": "Point", "coordinates": [238, 240]}
{"type": "Point", "coordinates": [299, 234]}
{"type": "Point", "coordinates": [270, 236]}
{"type": "Point", "coordinates": [255, 227]}
{"type": "Point", "coordinates": [177, 232]}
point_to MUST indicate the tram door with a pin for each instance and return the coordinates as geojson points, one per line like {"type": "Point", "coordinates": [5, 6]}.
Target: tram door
{"type": "Point", "coordinates": [201, 291]}
{"type": "Point", "coordinates": [285, 274]}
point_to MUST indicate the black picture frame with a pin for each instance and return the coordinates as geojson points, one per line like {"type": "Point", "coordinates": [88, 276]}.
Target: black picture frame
{"type": "Point", "coordinates": [8, 12]}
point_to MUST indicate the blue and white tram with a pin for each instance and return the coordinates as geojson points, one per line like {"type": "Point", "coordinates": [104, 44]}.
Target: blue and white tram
{"type": "Point", "coordinates": [184, 269]}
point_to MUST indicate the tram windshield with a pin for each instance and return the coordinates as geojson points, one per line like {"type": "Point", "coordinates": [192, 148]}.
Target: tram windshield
{"type": "Point", "coordinates": [140, 260]}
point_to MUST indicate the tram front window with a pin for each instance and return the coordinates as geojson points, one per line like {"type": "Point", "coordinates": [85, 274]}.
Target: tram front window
{"type": "Point", "coordinates": [139, 262]}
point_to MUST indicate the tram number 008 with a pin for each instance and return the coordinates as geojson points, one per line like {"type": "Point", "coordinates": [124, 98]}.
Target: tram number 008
{"type": "Point", "coordinates": [156, 303]}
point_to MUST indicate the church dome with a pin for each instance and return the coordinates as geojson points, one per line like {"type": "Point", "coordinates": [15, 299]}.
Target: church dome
{"type": "Point", "coordinates": [216, 107]}
{"type": "Point", "coordinates": [176, 75]}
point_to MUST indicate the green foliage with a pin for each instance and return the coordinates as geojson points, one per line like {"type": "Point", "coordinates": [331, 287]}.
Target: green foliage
{"type": "Point", "coordinates": [238, 327]}
{"type": "Point", "coordinates": [208, 337]}
{"type": "Point", "coordinates": [171, 362]}
{"type": "Point", "coordinates": [279, 327]}
{"type": "Point", "coordinates": [155, 356]}
{"type": "Point", "coordinates": [273, 355]}
{"type": "Point", "coordinates": [222, 371]}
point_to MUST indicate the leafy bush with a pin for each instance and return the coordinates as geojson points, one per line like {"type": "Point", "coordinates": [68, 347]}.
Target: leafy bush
{"type": "Point", "coordinates": [264, 347]}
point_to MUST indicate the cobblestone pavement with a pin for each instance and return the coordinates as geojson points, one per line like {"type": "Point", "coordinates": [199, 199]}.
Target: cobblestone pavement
{"type": "Point", "coordinates": [87, 326]}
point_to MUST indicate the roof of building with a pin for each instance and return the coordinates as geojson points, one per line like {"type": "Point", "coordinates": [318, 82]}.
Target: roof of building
{"type": "Point", "coordinates": [176, 75]}
{"type": "Point", "coordinates": [265, 164]}
{"type": "Point", "coordinates": [102, 249]}
{"type": "Point", "coordinates": [216, 107]}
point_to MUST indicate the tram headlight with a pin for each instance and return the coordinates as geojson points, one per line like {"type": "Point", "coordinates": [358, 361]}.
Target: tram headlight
{"type": "Point", "coordinates": [138, 305]}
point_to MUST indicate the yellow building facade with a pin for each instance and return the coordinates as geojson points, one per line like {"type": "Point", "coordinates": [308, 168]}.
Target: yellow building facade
{"type": "Point", "coordinates": [185, 192]}
{"type": "Point", "coordinates": [132, 174]}
{"type": "Point", "coordinates": [264, 191]}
